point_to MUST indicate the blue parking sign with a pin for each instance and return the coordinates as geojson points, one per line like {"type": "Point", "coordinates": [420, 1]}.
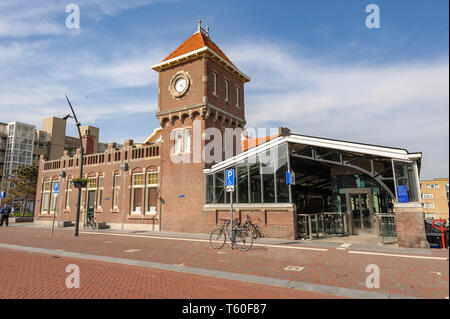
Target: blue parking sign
{"type": "Point", "coordinates": [229, 174]}
{"type": "Point", "coordinates": [56, 188]}
{"type": "Point", "coordinates": [2, 194]}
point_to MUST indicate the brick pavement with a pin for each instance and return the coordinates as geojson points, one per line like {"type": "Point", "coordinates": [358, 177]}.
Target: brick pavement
{"type": "Point", "coordinates": [335, 268]}
{"type": "Point", "coordinates": [33, 275]}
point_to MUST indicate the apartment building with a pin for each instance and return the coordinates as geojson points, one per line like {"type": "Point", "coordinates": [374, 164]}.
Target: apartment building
{"type": "Point", "coordinates": [22, 144]}
{"type": "Point", "coordinates": [435, 197]}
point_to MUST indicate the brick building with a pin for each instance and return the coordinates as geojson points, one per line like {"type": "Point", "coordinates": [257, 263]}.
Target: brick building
{"type": "Point", "coordinates": [340, 188]}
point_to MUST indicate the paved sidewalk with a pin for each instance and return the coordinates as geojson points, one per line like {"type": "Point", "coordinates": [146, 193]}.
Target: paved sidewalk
{"type": "Point", "coordinates": [414, 273]}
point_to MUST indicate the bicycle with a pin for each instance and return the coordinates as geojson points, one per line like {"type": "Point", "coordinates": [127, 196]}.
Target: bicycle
{"type": "Point", "coordinates": [90, 221]}
{"type": "Point", "coordinates": [239, 236]}
{"type": "Point", "coordinates": [252, 228]}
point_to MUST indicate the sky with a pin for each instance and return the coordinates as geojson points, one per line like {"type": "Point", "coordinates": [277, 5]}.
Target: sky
{"type": "Point", "coordinates": [314, 66]}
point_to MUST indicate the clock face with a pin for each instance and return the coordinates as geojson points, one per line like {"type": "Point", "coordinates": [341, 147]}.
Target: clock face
{"type": "Point", "coordinates": [180, 85]}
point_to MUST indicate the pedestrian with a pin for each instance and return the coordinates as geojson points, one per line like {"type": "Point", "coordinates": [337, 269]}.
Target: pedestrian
{"type": "Point", "coordinates": [4, 215]}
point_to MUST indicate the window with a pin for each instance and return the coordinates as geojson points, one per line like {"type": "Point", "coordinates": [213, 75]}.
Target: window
{"type": "Point", "coordinates": [116, 188]}
{"type": "Point", "coordinates": [242, 182]}
{"type": "Point", "coordinates": [137, 189]}
{"type": "Point", "coordinates": [220, 187]}
{"type": "Point", "coordinates": [237, 97]}
{"type": "Point", "coordinates": [68, 192]}
{"type": "Point", "coordinates": [178, 142]}
{"type": "Point", "coordinates": [281, 167]}
{"type": "Point", "coordinates": [214, 83]}
{"type": "Point", "coordinates": [432, 186]}
{"type": "Point", "coordinates": [428, 205]}
{"type": "Point", "coordinates": [405, 175]}
{"type": "Point", "coordinates": [226, 90]}
{"type": "Point", "coordinates": [45, 196]}
{"type": "Point", "coordinates": [209, 189]}
{"type": "Point", "coordinates": [99, 192]}
{"type": "Point", "coordinates": [268, 176]}
{"type": "Point", "coordinates": [187, 141]}
{"type": "Point", "coordinates": [427, 196]}
{"type": "Point", "coordinates": [151, 192]}
{"type": "Point", "coordinates": [53, 199]}
{"type": "Point", "coordinates": [182, 141]}
{"type": "Point", "coordinates": [255, 180]}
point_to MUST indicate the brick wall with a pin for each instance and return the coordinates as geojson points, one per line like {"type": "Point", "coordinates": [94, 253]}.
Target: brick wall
{"type": "Point", "coordinates": [410, 226]}
{"type": "Point", "coordinates": [106, 213]}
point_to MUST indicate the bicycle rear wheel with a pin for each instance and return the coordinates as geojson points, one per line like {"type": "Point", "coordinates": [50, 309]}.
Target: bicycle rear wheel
{"type": "Point", "coordinates": [244, 240]}
{"type": "Point", "coordinates": [217, 238]}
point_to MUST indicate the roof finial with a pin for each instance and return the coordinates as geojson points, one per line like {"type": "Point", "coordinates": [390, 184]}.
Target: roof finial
{"type": "Point", "coordinates": [207, 31]}
{"type": "Point", "coordinates": [199, 24]}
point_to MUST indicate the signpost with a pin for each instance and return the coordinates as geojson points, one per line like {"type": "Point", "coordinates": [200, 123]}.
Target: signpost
{"type": "Point", "coordinates": [230, 188]}
{"type": "Point", "coordinates": [2, 195]}
{"type": "Point", "coordinates": [55, 194]}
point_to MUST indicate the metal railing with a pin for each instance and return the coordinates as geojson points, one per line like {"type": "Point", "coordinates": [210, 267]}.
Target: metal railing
{"type": "Point", "coordinates": [385, 227]}
{"type": "Point", "coordinates": [321, 224]}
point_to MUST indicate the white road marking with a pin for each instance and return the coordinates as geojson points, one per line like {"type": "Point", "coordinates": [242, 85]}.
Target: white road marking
{"type": "Point", "coordinates": [436, 272]}
{"type": "Point", "coordinates": [395, 255]}
{"type": "Point", "coordinates": [132, 250]}
{"type": "Point", "coordinates": [202, 240]}
{"type": "Point", "coordinates": [294, 268]}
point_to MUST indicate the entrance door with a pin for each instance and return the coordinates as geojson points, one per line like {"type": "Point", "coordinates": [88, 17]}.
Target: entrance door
{"type": "Point", "coordinates": [360, 211]}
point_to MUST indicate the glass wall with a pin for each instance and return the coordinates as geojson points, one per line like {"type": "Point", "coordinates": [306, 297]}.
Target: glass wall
{"type": "Point", "coordinates": [259, 179]}
{"type": "Point", "coordinates": [405, 175]}
{"type": "Point", "coordinates": [242, 182]}
{"type": "Point", "coordinates": [382, 202]}
{"type": "Point", "coordinates": [255, 179]}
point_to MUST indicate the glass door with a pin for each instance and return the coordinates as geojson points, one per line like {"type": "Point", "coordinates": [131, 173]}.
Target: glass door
{"type": "Point", "coordinates": [360, 211]}
{"type": "Point", "coordinates": [91, 200]}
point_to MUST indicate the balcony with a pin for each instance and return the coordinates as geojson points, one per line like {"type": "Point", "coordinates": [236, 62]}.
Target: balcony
{"type": "Point", "coordinates": [110, 156]}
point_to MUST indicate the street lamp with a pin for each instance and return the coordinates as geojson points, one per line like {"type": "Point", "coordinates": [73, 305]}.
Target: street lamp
{"type": "Point", "coordinates": [77, 220]}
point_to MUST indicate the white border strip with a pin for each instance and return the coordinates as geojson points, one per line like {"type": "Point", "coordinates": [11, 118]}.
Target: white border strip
{"type": "Point", "coordinates": [395, 255]}
{"type": "Point", "coordinates": [201, 240]}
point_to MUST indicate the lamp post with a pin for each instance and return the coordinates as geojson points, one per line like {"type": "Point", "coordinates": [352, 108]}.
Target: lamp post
{"type": "Point", "coordinates": [77, 220]}
{"type": "Point", "coordinates": [124, 168]}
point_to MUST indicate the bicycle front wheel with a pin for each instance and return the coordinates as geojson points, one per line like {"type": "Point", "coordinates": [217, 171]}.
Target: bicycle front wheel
{"type": "Point", "coordinates": [244, 240]}
{"type": "Point", "coordinates": [217, 238]}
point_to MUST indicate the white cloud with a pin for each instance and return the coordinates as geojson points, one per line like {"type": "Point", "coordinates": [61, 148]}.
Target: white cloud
{"type": "Point", "coordinates": [401, 104]}
{"type": "Point", "coordinates": [24, 18]}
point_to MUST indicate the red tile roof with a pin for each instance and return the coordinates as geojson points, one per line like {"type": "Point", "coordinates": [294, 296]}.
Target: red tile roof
{"type": "Point", "coordinates": [197, 41]}
{"type": "Point", "coordinates": [248, 143]}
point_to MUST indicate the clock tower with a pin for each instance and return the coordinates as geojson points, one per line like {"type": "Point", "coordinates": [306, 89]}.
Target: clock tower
{"type": "Point", "coordinates": [199, 88]}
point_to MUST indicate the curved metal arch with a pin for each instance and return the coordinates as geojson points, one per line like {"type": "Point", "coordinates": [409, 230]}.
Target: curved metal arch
{"type": "Point", "coordinates": [375, 175]}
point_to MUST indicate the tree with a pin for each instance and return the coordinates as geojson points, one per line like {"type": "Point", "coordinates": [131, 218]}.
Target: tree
{"type": "Point", "coordinates": [23, 185]}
